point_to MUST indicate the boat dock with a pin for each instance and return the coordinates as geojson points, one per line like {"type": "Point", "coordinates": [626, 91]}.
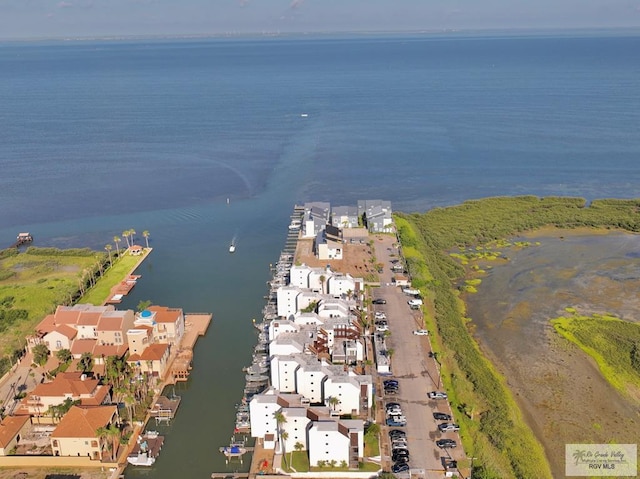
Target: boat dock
{"type": "Point", "coordinates": [146, 449]}
{"type": "Point", "coordinates": [164, 409]}
{"type": "Point", "coordinates": [122, 289]}
{"type": "Point", "coordinates": [22, 238]}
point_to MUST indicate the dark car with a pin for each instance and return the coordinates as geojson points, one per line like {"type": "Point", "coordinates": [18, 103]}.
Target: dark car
{"type": "Point", "coordinates": [379, 301]}
{"type": "Point", "coordinates": [397, 433]}
{"type": "Point", "coordinates": [440, 416]}
{"type": "Point", "coordinates": [400, 467]}
{"type": "Point", "coordinates": [446, 443]}
{"type": "Point", "coordinates": [401, 454]}
{"type": "Point", "coordinates": [391, 391]}
{"type": "Point", "coordinates": [450, 464]}
{"type": "Point", "coordinates": [390, 382]}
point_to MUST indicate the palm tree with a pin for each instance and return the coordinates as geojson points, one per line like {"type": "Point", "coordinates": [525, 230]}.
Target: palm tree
{"type": "Point", "coordinates": [116, 240]}
{"type": "Point", "coordinates": [86, 362]}
{"type": "Point", "coordinates": [146, 235]}
{"type": "Point", "coordinates": [125, 233]}
{"type": "Point", "coordinates": [280, 420]}
{"type": "Point", "coordinates": [322, 280]}
{"type": "Point", "coordinates": [113, 434]}
{"type": "Point", "coordinates": [284, 435]}
{"type": "Point", "coordinates": [132, 233]}
{"type": "Point", "coordinates": [40, 354]}
{"type": "Point", "coordinates": [333, 401]}
{"type": "Point", "coordinates": [109, 248]}
{"type": "Point", "coordinates": [102, 433]}
{"type": "Point", "coordinates": [64, 355]}
{"type": "Point", "coordinates": [298, 446]}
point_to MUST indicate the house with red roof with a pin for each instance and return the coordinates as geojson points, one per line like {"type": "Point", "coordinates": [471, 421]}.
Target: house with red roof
{"type": "Point", "coordinates": [75, 386]}
{"type": "Point", "coordinates": [77, 434]}
{"type": "Point", "coordinates": [154, 359]}
{"type": "Point", "coordinates": [12, 429]}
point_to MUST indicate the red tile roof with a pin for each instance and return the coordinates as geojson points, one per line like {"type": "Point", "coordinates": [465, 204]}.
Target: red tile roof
{"type": "Point", "coordinates": [84, 421]}
{"type": "Point", "coordinates": [10, 427]}
{"type": "Point", "coordinates": [165, 314]}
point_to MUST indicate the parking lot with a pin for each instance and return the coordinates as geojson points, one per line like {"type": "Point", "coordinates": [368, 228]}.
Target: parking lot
{"type": "Point", "coordinates": [417, 374]}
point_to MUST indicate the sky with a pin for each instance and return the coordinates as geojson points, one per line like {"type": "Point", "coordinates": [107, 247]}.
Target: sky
{"type": "Point", "coordinates": [24, 19]}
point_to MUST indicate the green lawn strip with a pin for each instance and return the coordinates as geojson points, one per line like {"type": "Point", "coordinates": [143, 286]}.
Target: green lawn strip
{"type": "Point", "coordinates": [614, 345]}
{"type": "Point", "coordinates": [102, 290]}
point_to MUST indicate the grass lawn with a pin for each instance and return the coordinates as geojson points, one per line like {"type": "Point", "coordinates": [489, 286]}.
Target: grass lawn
{"type": "Point", "coordinates": [371, 445]}
{"type": "Point", "coordinates": [122, 267]}
{"type": "Point", "coordinates": [36, 284]}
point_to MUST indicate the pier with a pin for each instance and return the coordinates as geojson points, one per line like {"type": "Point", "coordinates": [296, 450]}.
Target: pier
{"type": "Point", "coordinates": [22, 238]}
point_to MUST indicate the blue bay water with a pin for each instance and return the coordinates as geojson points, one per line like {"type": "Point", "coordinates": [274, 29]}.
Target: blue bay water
{"type": "Point", "coordinates": [98, 137]}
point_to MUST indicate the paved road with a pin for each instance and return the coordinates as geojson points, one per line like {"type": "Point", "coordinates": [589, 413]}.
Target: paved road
{"type": "Point", "coordinates": [417, 374]}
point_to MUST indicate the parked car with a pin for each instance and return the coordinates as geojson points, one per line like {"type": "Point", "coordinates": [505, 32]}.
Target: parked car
{"type": "Point", "coordinates": [400, 467]}
{"type": "Point", "coordinates": [398, 443]}
{"type": "Point", "coordinates": [446, 443]}
{"type": "Point", "coordinates": [393, 422]}
{"type": "Point", "coordinates": [421, 332]}
{"type": "Point", "coordinates": [450, 463]}
{"type": "Point", "coordinates": [391, 391]}
{"type": "Point", "coordinates": [390, 382]}
{"type": "Point", "coordinates": [379, 301]}
{"type": "Point", "coordinates": [380, 315]}
{"type": "Point", "coordinates": [392, 404]}
{"type": "Point", "coordinates": [382, 327]}
{"type": "Point", "coordinates": [440, 416]}
{"type": "Point", "coordinates": [400, 455]}
{"type": "Point", "coordinates": [397, 433]}
{"type": "Point", "coordinates": [396, 411]}
{"type": "Point", "coordinates": [448, 426]}
{"type": "Point", "coordinates": [410, 291]}
{"type": "Point", "coordinates": [437, 395]}
{"type": "Point", "coordinates": [414, 302]}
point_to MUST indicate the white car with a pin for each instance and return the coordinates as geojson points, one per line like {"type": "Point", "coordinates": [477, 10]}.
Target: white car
{"type": "Point", "coordinates": [411, 291]}
{"type": "Point", "coordinates": [421, 332]}
{"type": "Point", "coordinates": [414, 302]}
{"type": "Point", "coordinates": [382, 327]}
{"type": "Point", "coordinates": [380, 315]}
{"type": "Point", "coordinates": [437, 395]}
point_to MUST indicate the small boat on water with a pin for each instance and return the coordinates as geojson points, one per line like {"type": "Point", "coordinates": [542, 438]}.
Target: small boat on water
{"type": "Point", "coordinates": [146, 449]}
{"type": "Point", "coordinates": [232, 247]}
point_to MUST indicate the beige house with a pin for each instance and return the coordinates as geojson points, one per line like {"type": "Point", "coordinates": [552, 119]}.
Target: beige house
{"type": "Point", "coordinates": [112, 327]}
{"type": "Point", "coordinates": [12, 429]}
{"type": "Point", "coordinates": [59, 338]}
{"type": "Point", "coordinates": [153, 360]}
{"type": "Point", "coordinates": [69, 385]}
{"type": "Point", "coordinates": [77, 433]}
{"type": "Point", "coordinates": [167, 323]}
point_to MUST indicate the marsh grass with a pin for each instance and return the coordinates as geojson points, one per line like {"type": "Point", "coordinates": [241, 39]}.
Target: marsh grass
{"type": "Point", "coordinates": [613, 343]}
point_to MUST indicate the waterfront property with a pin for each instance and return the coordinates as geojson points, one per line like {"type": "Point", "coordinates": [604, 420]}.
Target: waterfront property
{"type": "Point", "coordinates": [78, 433]}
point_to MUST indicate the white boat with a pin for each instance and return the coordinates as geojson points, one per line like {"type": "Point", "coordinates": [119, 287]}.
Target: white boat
{"type": "Point", "coordinates": [295, 225]}
{"type": "Point", "coordinates": [141, 459]}
{"type": "Point", "coordinates": [304, 115]}
{"type": "Point", "coordinates": [232, 247]}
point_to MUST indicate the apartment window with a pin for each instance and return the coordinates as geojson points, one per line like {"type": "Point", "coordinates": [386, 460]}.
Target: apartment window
{"type": "Point", "coordinates": [55, 443]}
{"type": "Point", "coordinates": [94, 443]}
{"type": "Point", "coordinates": [58, 344]}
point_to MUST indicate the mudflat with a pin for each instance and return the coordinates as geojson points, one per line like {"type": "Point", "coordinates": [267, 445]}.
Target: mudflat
{"type": "Point", "coordinates": [564, 397]}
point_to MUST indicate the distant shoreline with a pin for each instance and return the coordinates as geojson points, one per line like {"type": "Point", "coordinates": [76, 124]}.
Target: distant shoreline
{"type": "Point", "coordinates": [342, 35]}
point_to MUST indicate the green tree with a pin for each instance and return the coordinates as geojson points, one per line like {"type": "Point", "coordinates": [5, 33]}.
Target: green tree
{"type": "Point", "coordinates": [298, 446]}
{"type": "Point", "coordinates": [142, 305]}
{"type": "Point", "coordinates": [146, 235]}
{"type": "Point", "coordinates": [86, 363]}
{"type": "Point", "coordinates": [64, 355]}
{"type": "Point", "coordinates": [333, 402]}
{"type": "Point", "coordinates": [108, 247]}
{"type": "Point", "coordinates": [116, 240]}
{"type": "Point", "coordinates": [40, 354]}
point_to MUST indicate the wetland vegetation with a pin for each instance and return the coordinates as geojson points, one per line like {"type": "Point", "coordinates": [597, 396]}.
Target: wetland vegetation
{"type": "Point", "coordinates": [494, 430]}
